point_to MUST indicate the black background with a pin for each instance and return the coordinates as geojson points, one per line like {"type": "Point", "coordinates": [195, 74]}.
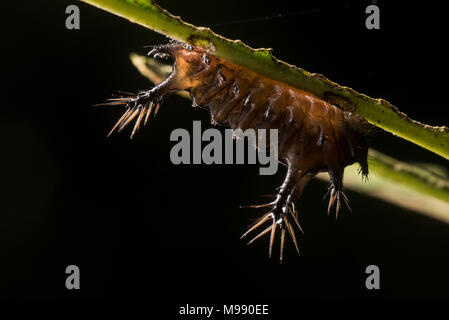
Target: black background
{"type": "Point", "coordinates": [140, 227]}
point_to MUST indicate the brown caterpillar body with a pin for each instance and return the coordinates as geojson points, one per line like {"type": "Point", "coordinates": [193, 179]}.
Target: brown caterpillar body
{"type": "Point", "coordinates": [314, 135]}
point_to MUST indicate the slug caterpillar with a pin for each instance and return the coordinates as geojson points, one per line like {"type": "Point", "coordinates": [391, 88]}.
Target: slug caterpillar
{"type": "Point", "coordinates": [314, 135]}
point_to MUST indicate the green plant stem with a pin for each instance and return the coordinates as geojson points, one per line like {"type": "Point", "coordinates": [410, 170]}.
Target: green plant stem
{"type": "Point", "coordinates": [376, 111]}
{"type": "Point", "coordinates": [413, 176]}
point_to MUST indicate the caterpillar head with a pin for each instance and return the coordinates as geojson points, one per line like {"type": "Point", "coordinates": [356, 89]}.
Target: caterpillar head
{"type": "Point", "coordinates": [188, 62]}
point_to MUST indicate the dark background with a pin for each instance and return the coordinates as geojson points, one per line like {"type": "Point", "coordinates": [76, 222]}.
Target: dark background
{"type": "Point", "coordinates": [140, 227]}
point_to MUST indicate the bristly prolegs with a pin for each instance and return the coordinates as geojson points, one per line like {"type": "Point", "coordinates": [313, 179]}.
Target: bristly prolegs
{"type": "Point", "coordinates": [281, 216]}
{"type": "Point", "coordinates": [283, 210]}
{"type": "Point", "coordinates": [140, 106]}
{"type": "Point", "coordinates": [282, 213]}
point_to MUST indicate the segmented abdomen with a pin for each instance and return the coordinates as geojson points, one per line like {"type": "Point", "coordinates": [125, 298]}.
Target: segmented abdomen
{"type": "Point", "coordinates": [313, 133]}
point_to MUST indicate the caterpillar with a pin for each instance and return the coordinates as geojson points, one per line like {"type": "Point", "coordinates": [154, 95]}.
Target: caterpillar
{"type": "Point", "coordinates": [314, 135]}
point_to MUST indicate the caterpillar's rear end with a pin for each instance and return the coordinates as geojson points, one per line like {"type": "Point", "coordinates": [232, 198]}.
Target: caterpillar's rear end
{"type": "Point", "coordinates": [313, 136]}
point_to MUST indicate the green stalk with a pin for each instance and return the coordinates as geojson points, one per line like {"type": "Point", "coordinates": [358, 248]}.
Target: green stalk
{"type": "Point", "coordinates": [376, 111]}
{"type": "Point", "coordinates": [414, 177]}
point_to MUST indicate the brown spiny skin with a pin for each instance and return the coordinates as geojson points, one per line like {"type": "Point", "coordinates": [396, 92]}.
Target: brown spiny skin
{"type": "Point", "coordinates": [313, 135]}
